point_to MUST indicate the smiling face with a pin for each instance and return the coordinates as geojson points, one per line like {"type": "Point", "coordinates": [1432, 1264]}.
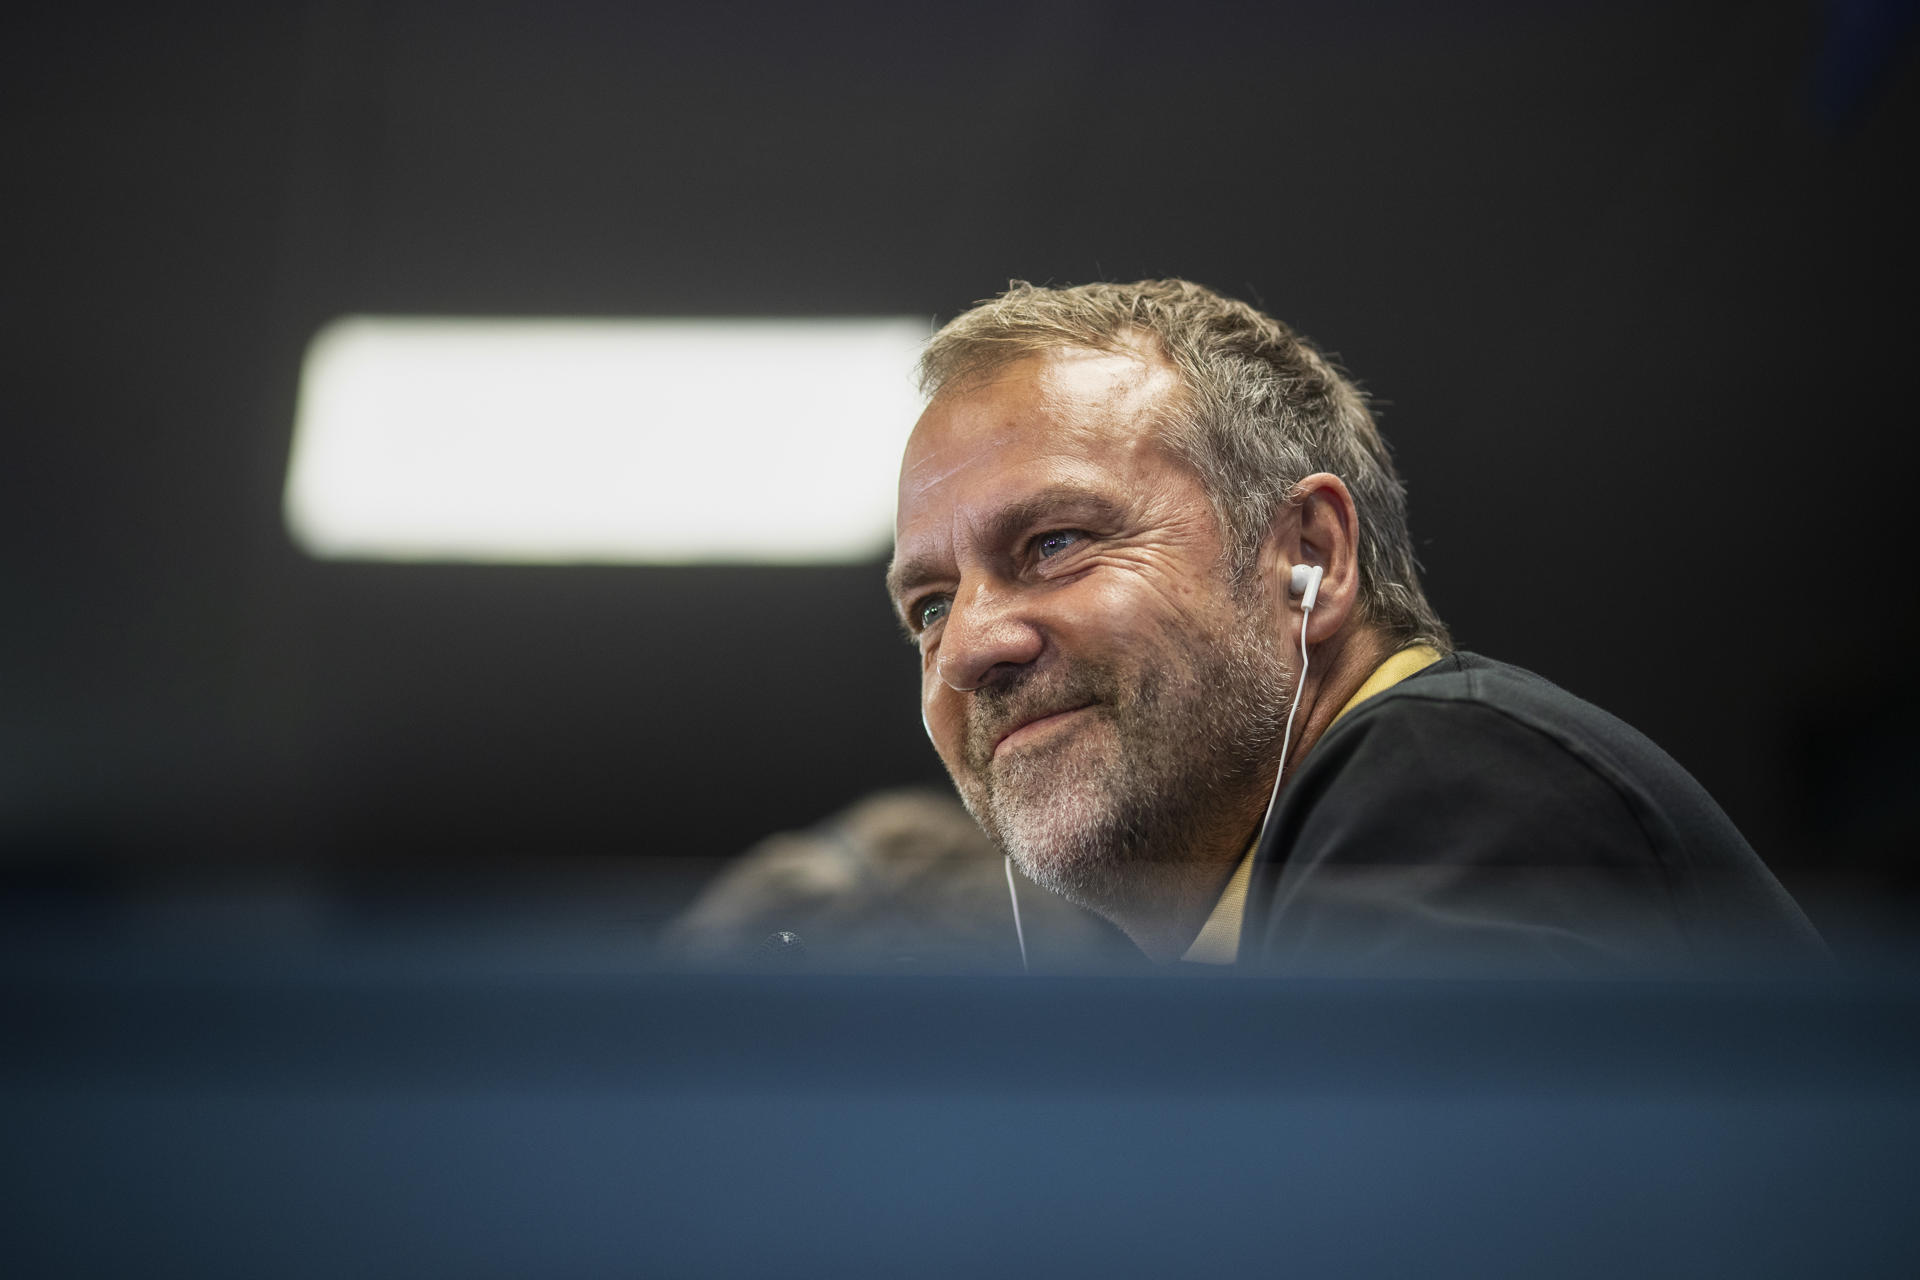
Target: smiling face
{"type": "Point", "coordinates": [1098, 695]}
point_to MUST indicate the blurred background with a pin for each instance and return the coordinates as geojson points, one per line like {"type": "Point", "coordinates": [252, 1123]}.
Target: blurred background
{"type": "Point", "coordinates": [1631, 281]}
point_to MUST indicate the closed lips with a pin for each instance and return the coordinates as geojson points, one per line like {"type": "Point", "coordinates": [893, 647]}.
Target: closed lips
{"type": "Point", "coordinates": [1031, 720]}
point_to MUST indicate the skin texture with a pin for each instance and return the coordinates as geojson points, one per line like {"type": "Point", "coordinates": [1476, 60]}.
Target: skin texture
{"type": "Point", "coordinates": [1109, 708]}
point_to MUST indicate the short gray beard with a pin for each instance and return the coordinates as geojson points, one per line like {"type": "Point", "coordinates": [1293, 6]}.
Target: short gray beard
{"type": "Point", "coordinates": [1188, 742]}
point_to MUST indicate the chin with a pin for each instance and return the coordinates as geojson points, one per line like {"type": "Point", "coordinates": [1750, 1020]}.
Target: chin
{"type": "Point", "coordinates": [1072, 862]}
{"type": "Point", "coordinates": [1061, 829]}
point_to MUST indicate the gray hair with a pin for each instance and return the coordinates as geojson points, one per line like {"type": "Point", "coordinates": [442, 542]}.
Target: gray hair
{"type": "Point", "coordinates": [1261, 411]}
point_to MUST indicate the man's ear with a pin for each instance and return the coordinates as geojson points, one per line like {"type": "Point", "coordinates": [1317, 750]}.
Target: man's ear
{"type": "Point", "coordinates": [1321, 528]}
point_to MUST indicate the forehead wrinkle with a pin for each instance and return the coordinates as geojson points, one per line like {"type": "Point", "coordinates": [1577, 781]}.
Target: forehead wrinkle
{"type": "Point", "coordinates": [912, 473]}
{"type": "Point", "coordinates": [915, 484]}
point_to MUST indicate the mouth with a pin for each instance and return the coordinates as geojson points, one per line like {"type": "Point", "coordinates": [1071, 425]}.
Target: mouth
{"type": "Point", "coordinates": [1034, 727]}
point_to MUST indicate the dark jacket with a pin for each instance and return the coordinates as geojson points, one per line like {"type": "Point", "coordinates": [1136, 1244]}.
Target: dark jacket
{"type": "Point", "coordinates": [1477, 820]}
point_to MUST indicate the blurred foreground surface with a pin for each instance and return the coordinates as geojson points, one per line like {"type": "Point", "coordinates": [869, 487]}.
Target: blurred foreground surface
{"type": "Point", "coordinates": [217, 1109]}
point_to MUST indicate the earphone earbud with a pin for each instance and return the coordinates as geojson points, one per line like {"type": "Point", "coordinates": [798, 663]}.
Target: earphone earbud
{"type": "Point", "coordinates": [1305, 583]}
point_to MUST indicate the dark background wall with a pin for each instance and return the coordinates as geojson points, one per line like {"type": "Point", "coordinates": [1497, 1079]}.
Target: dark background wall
{"type": "Point", "coordinates": [1632, 281]}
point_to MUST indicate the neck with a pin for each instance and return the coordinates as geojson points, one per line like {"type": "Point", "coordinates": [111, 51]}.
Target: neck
{"type": "Point", "coordinates": [1167, 902]}
{"type": "Point", "coordinates": [1340, 666]}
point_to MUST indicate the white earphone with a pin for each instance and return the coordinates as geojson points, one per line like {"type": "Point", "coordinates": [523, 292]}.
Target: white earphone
{"type": "Point", "coordinates": [1304, 582]}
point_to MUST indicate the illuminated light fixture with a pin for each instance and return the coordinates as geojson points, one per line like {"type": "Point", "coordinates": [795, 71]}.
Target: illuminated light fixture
{"type": "Point", "coordinates": [608, 441]}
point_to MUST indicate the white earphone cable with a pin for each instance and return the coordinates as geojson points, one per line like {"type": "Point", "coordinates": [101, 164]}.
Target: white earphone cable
{"type": "Point", "coordinates": [1286, 739]}
{"type": "Point", "coordinates": [1018, 932]}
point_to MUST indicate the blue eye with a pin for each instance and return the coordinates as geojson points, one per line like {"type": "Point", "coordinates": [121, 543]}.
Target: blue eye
{"type": "Point", "coordinates": [930, 611]}
{"type": "Point", "coordinates": [1052, 544]}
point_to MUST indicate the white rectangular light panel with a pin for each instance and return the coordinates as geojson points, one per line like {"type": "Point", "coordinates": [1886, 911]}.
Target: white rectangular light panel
{"type": "Point", "coordinates": [611, 441]}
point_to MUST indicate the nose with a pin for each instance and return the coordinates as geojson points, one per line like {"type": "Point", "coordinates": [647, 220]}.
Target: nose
{"type": "Point", "coordinates": [986, 637]}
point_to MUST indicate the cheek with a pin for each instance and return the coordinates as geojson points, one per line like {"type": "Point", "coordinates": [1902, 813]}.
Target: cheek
{"type": "Point", "coordinates": [1100, 618]}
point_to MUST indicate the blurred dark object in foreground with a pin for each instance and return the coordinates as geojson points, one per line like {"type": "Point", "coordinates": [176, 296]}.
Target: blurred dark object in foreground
{"type": "Point", "coordinates": [236, 1113]}
{"type": "Point", "coordinates": [901, 880]}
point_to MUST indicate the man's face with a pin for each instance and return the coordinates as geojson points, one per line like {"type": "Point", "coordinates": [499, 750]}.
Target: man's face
{"type": "Point", "coordinates": [1096, 692]}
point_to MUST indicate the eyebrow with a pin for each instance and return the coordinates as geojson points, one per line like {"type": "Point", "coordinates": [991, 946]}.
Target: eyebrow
{"type": "Point", "coordinates": [1058, 501]}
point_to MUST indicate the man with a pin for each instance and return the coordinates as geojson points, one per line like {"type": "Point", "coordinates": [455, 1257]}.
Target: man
{"type": "Point", "coordinates": [1155, 558]}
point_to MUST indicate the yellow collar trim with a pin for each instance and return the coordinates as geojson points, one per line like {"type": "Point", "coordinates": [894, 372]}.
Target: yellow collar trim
{"type": "Point", "coordinates": [1219, 939]}
{"type": "Point", "coordinates": [1412, 659]}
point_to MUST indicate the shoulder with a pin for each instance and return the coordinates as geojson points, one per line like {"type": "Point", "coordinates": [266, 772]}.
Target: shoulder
{"type": "Point", "coordinates": [1478, 810]}
{"type": "Point", "coordinates": [1485, 760]}
{"type": "Point", "coordinates": [1497, 730]}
